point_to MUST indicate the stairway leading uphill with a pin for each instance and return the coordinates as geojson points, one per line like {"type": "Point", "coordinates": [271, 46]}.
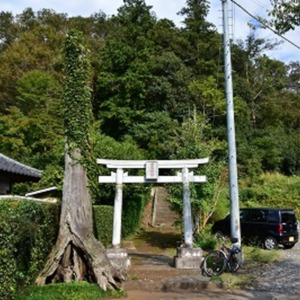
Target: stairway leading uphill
{"type": "Point", "coordinates": [162, 215]}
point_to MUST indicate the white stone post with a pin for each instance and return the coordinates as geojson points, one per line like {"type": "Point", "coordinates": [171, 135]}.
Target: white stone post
{"type": "Point", "coordinates": [187, 211]}
{"type": "Point", "coordinates": [116, 240]}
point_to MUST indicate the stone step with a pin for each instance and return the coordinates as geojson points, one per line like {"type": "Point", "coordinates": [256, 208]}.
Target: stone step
{"type": "Point", "coordinates": [164, 216]}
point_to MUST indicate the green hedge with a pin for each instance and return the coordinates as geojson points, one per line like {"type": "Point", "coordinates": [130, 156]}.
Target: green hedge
{"type": "Point", "coordinates": [134, 202]}
{"type": "Point", "coordinates": [28, 231]}
{"type": "Point", "coordinates": [132, 212]}
{"type": "Point", "coordinates": [103, 223]}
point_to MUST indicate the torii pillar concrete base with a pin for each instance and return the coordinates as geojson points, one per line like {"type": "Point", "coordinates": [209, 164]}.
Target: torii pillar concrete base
{"type": "Point", "coordinates": [119, 257]}
{"type": "Point", "coordinates": [188, 258]}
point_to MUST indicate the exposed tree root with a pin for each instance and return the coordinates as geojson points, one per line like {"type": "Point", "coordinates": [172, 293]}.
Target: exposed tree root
{"type": "Point", "coordinates": [77, 255]}
{"type": "Point", "coordinates": [73, 261]}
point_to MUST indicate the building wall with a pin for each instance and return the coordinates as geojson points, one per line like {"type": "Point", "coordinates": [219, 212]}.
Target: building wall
{"type": "Point", "coordinates": [4, 186]}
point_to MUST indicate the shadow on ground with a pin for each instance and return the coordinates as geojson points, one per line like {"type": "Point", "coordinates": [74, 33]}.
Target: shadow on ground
{"type": "Point", "coordinates": [158, 239]}
{"type": "Point", "coordinates": [152, 259]}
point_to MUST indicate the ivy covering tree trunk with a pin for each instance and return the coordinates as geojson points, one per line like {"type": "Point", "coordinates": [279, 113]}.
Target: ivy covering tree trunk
{"type": "Point", "coordinates": [77, 255]}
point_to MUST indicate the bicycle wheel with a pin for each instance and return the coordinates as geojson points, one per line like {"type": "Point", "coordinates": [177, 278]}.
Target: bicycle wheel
{"type": "Point", "coordinates": [214, 263]}
{"type": "Point", "coordinates": [234, 262]}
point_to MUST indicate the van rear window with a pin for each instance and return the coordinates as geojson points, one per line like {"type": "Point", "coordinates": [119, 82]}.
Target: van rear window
{"type": "Point", "coordinates": [288, 216]}
{"type": "Point", "coordinates": [273, 216]}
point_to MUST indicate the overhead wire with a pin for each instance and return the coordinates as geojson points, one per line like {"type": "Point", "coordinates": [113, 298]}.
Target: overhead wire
{"type": "Point", "coordinates": [265, 25]}
{"type": "Point", "coordinates": [259, 4]}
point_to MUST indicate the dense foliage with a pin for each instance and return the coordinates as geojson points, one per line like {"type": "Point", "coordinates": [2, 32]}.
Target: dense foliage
{"type": "Point", "coordinates": [286, 14]}
{"type": "Point", "coordinates": [271, 190]}
{"type": "Point", "coordinates": [103, 220]}
{"type": "Point", "coordinates": [157, 93]}
{"type": "Point", "coordinates": [27, 233]}
{"type": "Point", "coordinates": [77, 93]}
{"type": "Point", "coordinates": [266, 190]}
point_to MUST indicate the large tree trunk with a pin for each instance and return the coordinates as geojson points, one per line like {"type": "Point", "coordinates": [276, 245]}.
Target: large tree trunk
{"type": "Point", "coordinates": [77, 255]}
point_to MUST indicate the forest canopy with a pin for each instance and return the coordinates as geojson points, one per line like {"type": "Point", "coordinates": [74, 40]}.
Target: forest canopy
{"type": "Point", "coordinates": [152, 85]}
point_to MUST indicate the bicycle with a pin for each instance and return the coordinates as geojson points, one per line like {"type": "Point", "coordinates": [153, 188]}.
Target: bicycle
{"type": "Point", "coordinates": [217, 261]}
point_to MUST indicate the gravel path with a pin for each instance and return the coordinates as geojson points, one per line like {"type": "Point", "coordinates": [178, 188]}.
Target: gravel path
{"type": "Point", "coordinates": [283, 276]}
{"type": "Point", "coordinates": [279, 281]}
{"type": "Point", "coordinates": [152, 277]}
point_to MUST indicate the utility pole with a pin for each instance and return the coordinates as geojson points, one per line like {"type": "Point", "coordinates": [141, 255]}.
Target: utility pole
{"type": "Point", "coordinates": [233, 180]}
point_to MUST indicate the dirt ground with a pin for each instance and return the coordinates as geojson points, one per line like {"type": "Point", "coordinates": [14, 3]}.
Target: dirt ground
{"type": "Point", "coordinates": [152, 253]}
{"type": "Point", "coordinates": [152, 275]}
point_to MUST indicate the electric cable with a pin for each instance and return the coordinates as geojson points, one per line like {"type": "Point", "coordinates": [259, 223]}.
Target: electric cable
{"type": "Point", "coordinates": [265, 25]}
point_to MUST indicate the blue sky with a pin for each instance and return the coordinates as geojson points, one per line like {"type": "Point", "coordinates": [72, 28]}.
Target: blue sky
{"type": "Point", "coordinates": [168, 9]}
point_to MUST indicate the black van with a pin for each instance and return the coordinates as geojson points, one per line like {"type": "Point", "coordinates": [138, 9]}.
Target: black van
{"type": "Point", "coordinates": [269, 226]}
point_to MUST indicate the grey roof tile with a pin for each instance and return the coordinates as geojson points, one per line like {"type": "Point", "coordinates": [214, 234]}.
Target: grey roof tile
{"type": "Point", "coordinates": [12, 166]}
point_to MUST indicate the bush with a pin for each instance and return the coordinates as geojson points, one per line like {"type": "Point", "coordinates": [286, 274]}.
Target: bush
{"type": "Point", "coordinates": [206, 240]}
{"type": "Point", "coordinates": [28, 231]}
{"type": "Point", "coordinates": [133, 207]}
{"type": "Point", "coordinates": [8, 240]}
{"type": "Point", "coordinates": [103, 223]}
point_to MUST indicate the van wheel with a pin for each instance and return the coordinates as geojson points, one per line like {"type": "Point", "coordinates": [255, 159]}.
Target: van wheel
{"type": "Point", "coordinates": [270, 243]}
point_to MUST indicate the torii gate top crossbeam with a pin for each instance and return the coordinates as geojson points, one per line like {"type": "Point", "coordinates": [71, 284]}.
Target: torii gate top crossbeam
{"type": "Point", "coordinates": [162, 164]}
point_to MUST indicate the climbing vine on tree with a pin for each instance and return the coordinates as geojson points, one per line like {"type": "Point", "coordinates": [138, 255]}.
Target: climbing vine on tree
{"type": "Point", "coordinates": [77, 96]}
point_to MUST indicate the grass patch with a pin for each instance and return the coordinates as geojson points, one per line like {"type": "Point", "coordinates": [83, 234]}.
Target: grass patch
{"type": "Point", "coordinates": [67, 291]}
{"type": "Point", "coordinates": [261, 256]}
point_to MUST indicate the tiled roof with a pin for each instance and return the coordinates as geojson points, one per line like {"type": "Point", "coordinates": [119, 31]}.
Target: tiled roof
{"type": "Point", "coordinates": [12, 166]}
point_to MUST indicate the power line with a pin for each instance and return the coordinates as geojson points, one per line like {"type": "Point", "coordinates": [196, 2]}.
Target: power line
{"type": "Point", "coordinates": [259, 4]}
{"type": "Point", "coordinates": [265, 25]}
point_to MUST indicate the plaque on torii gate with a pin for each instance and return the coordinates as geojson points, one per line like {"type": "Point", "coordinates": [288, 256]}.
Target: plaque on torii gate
{"type": "Point", "coordinates": [152, 168]}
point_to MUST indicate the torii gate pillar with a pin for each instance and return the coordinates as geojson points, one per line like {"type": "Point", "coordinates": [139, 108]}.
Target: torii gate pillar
{"type": "Point", "coordinates": [187, 210]}
{"type": "Point", "coordinates": [116, 239]}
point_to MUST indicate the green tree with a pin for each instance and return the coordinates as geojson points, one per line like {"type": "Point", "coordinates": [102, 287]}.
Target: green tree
{"type": "Point", "coordinates": [294, 76]}
{"type": "Point", "coordinates": [203, 47]}
{"type": "Point", "coordinates": [106, 147]}
{"type": "Point", "coordinates": [32, 131]}
{"type": "Point", "coordinates": [38, 91]}
{"type": "Point", "coordinates": [139, 74]}
{"type": "Point", "coordinates": [259, 77]}
{"type": "Point", "coordinates": [286, 14]}
{"type": "Point", "coordinates": [208, 98]}
{"type": "Point", "coordinates": [262, 86]}
{"type": "Point", "coordinates": [192, 144]}
{"type": "Point", "coordinates": [8, 30]}
{"type": "Point", "coordinates": [155, 134]}
{"type": "Point", "coordinates": [35, 46]}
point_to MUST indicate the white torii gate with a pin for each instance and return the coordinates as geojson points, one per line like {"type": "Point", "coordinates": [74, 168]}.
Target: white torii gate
{"type": "Point", "coordinates": [152, 176]}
